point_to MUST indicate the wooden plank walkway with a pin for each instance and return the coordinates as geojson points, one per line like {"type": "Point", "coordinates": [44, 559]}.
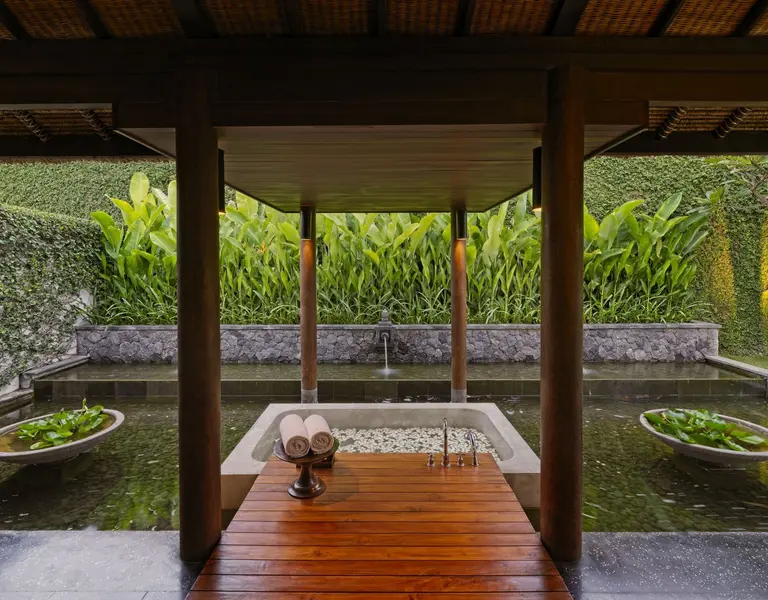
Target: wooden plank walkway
{"type": "Point", "coordinates": [387, 528]}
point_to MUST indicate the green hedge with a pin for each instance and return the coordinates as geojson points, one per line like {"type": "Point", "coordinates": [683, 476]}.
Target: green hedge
{"type": "Point", "coordinates": [76, 188]}
{"type": "Point", "coordinates": [45, 261]}
{"type": "Point", "coordinates": [729, 261]}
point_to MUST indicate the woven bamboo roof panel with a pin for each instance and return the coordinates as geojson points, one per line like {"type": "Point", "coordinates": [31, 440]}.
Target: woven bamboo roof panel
{"type": "Point", "coordinates": [521, 17]}
{"type": "Point", "coordinates": [609, 17]}
{"type": "Point", "coordinates": [138, 18]}
{"type": "Point", "coordinates": [707, 119]}
{"type": "Point", "coordinates": [50, 19]}
{"type": "Point", "coordinates": [244, 17]}
{"type": "Point", "coordinates": [709, 17]}
{"type": "Point", "coordinates": [422, 17]}
{"type": "Point", "coordinates": [334, 17]}
{"type": "Point", "coordinates": [761, 27]}
{"type": "Point", "coordinates": [57, 122]}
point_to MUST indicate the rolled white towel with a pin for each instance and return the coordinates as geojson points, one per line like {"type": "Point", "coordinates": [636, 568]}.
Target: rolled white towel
{"type": "Point", "coordinates": [294, 436]}
{"type": "Point", "coordinates": [320, 438]}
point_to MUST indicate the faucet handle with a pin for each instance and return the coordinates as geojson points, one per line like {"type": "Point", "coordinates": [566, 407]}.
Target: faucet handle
{"type": "Point", "coordinates": [460, 461]}
{"type": "Point", "coordinates": [431, 459]}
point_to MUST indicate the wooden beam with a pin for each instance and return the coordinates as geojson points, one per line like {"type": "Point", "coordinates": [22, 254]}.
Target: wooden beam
{"type": "Point", "coordinates": [377, 17]}
{"type": "Point", "coordinates": [291, 17]}
{"type": "Point", "coordinates": [458, 304]}
{"type": "Point", "coordinates": [88, 12]}
{"type": "Point", "coordinates": [464, 17]}
{"type": "Point", "coordinates": [308, 305]}
{"type": "Point", "coordinates": [567, 17]}
{"type": "Point", "coordinates": [378, 54]}
{"type": "Point", "coordinates": [31, 123]}
{"type": "Point", "coordinates": [193, 19]}
{"type": "Point", "coordinates": [692, 143]}
{"type": "Point", "coordinates": [9, 20]}
{"type": "Point", "coordinates": [666, 17]}
{"type": "Point", "coordinates": [670, 122]}
{"type": "Point", "coordinates": [562, 280]}
{"type": "Point", "coordinates": [748, 23]}
{"type": "Point", "coordinates": [199, 353]}
{"type": "Point", "coordinates": [71, 146]}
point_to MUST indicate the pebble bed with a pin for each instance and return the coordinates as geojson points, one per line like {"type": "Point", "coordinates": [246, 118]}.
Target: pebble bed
{"type": "Point", "coordinates": [409, 439]}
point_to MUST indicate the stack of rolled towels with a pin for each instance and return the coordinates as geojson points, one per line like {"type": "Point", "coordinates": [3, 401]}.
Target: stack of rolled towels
{"type": "Point", "coordinates": [299, 435]}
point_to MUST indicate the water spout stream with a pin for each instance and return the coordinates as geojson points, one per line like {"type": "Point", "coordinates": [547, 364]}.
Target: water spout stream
{"type": "Point", "coordinates": [386, 357]}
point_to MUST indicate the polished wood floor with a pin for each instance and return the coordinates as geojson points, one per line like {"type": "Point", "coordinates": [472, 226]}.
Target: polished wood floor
{"type": "Point", "coordinates": [387, 528]}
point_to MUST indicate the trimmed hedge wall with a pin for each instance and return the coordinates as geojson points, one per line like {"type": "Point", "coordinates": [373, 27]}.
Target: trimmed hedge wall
{"type": "Point", "coordinates": [45, 261]}
{"type": "Point", "coordinates": [76, 188]}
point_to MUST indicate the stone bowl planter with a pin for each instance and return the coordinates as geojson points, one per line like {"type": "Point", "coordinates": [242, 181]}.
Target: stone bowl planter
{"type": "Point", "coordinates": [59, 453]}
{"type": "Point", "coordinates": [711, 455]}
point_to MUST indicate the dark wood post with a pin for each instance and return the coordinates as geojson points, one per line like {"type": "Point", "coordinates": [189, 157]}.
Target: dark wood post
{"type": "Point", "coordinates": [308, 306]}
{"type": "Point", "coordinates": [198, 320]}
{"type": "Point", "coordinates": [458, 305]}
{"type": "Point", "coordinates": [562, 314]}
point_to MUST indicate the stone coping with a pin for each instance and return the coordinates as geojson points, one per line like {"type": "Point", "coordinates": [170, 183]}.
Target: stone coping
{"type": "Point", "coordinates": [519, 463]}
{"type": "Point", "coordinates": [440, 327]}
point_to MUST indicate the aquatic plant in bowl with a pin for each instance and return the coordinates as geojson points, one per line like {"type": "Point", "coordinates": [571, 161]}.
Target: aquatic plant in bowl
{"type": "Point", "coordinates": [707, 436]}
{"type": "Point", "coordinates": [58, 436]}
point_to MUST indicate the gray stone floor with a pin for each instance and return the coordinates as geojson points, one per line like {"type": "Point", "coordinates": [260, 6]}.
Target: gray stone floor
{"type": "Point", "coordinates": [673, 566]}
{"type": "Point", "coordinates": [92, 565]}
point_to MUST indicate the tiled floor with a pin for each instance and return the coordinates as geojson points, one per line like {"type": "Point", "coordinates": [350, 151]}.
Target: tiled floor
{"type": "Point", "coordinates": [92, 565]}
{"type": "Point", "coordinates": [670, 566]}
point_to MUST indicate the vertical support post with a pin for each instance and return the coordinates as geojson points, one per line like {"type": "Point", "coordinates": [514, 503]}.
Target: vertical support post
{"type": "Point", "coordinates": [198, 318]}
{"type": "Point", "coordinates": [562, 276]}
{"type": "Point", "coordinates": [458, 305]}
{"type": "Point", "coordinates": [308, 305]}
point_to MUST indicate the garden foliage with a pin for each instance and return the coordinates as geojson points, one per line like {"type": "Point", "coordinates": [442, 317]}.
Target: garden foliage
{"type": "Point", "coordinates": [637, 267]}
{"type": "Point", "coordinates": [45, 261]}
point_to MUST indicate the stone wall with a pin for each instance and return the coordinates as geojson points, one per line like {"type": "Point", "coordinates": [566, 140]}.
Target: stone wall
{"type": "Point", "coordinates": [410, 343]}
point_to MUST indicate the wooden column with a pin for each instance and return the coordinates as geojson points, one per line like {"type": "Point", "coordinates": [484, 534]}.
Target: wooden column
{"type": "Point", "coordinates": [308, 306]}
{"type": "Point", "coordinates": [562, 314]}
{"type": "Point", "coordinates": [458, 305]}
{"type": "Point", "coordinates": [198, 319]}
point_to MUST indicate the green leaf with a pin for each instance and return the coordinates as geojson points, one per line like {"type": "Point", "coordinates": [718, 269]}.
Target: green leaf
{"type": "Point", "coordinates": [139, 187]}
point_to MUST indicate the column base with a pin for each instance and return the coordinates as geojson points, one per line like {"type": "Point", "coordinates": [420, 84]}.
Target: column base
{"type": "Point", "coordinates": [309, 396]}
{"type": "Point", "coordinates": [458, 395]}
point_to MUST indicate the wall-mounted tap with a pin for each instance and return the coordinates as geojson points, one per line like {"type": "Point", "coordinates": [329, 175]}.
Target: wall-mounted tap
{"type": "Point", "coordinates": [446, 459]}
{"type": "Point", "coordinates": [473, 443]}
{"type": "Point", "coordinates": [384, 331]}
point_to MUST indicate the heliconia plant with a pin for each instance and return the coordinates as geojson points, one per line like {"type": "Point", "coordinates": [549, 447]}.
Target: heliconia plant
{"type": "Point", "coordinates": [636, 267]}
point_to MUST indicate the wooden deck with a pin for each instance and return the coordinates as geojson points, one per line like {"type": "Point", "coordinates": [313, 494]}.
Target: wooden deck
{"type": "Point", "coordinates": [387, 528]}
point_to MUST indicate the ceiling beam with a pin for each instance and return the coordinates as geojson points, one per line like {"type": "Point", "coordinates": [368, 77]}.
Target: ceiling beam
{"type": "Point", "coordinates": [93, 120]}
{"type": "Point", "coordinates": [692, 143]}
{"type": "Point", "coordinates": [670, 123]}
{"type": "Point", "coordinates": [193, 19]}
{"type": "Point", "coordinates": [567, 17]}
{"type": "Point", "coordinates": [750, 20]}
{"type": "Point", "coordinates": [12, 23]}
{"type": "Point", "coordinates": [71, 146]}
{"type": "Point", "coordinates": [162, 56]}
{"type": "Point", "coordinates": [86, 10]}
{"type": "Point", "coordinates": [464, 17]}
{"type": "Point", "coordinates": [731, 122]}
{"type": "Point", "coordinates": [377, 18]}
{"type": "Point", "coordinates": [40, 132]}
{"type": "Point", "coordinates": [666, 17]}
{"type": "Point", "coordinates": [291, 16]}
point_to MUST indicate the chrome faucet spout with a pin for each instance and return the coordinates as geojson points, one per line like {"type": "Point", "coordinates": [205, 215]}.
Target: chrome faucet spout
{"type": "Point", "coordinates": [446, 462]}
{"type": "Point", "coordinates": [473, 443]}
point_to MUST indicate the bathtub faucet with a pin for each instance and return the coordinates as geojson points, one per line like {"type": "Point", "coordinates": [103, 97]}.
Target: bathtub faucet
{"type": "Point", "coordinates": [473, 442]}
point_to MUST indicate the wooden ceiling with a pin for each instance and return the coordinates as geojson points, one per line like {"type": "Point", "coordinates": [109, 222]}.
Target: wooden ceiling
{"type": "Point", "coordinates": [381, 168]}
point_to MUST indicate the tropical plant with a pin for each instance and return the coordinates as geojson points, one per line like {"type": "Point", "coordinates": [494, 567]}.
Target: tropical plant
{"type": "Point", "coordinates": [637, 267]}
{"type": "Point", "coordinates": [705, 429]}
{"type": "Point", "coordinates": [62, 427]}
